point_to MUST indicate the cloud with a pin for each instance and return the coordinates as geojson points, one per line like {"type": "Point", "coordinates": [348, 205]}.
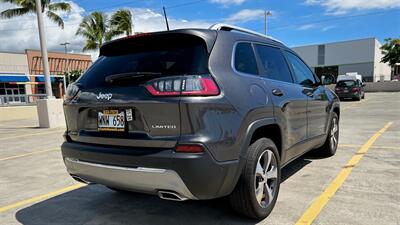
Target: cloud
{"type": "Point", "coordinates": [340, 7]}
{"type": "Point", "coordinates": [326, 28]}
{"type": "Point", "coordinates": [228, 2]}
{"type": "Point", "coordinates": [306, 27]}
{"type": "Point", "coordinates": [246, 15]}
{"type": "Point", "coordinates": [21, 33]}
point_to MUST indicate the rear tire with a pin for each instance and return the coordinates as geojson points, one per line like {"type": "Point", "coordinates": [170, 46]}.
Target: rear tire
{"type": "Point", "coordinates": [363, 96]}
{"type": "Point", "coordinates": [332, 140]}
{"type": "Point", "coordinates": [257, 190]}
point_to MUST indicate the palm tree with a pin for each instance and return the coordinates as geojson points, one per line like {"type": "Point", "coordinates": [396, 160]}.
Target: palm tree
{"type": "Point", "coordinates": [121, 22]}
{"type": "Point", "coordinates": [29, 6]}
{"type": "Point", "coordinates": [94, 28]}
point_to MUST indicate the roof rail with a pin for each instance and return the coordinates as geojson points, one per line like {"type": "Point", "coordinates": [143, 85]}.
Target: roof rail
{"type": "Point", "coordinates": [227, 27]}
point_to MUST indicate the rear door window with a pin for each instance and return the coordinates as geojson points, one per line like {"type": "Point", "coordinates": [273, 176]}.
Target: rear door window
{"type": "Point", "coordinates": [245, 60]}
{"type": "Point", "coordinates": [273, 63]}
{"type": "Point", "coordinates": [150, 59]}
{"type": "Point", "coordinates": [302, 72]}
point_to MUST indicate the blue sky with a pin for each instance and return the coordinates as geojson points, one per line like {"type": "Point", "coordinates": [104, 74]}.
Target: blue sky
{"type": "Point", "coordinates": [295, 23]}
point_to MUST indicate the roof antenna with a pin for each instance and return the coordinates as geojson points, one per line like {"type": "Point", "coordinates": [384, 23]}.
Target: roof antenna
{"type": "Point", "coordinates": [166, 18]}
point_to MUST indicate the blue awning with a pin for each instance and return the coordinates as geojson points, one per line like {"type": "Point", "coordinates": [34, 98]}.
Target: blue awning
{"type": "Point", "coordinates": [41, 79]}
{"type": "Point", "coordinates": [5, 78]}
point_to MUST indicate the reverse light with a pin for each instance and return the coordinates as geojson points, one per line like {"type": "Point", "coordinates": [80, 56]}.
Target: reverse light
{"type": "Point", "coordinates": [189, 148]}
{"type": "Point", "coordinates": [194, 85]}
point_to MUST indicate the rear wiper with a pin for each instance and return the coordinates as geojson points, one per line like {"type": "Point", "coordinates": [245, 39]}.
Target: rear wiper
{"type": "Point", "coordinates": [130, 75]}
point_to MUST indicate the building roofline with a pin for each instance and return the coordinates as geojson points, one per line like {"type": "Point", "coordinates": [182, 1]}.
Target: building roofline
{"type": "Point", "coordinates": [337, 42]}
{"type": "Point", "coordinates": [58, 52]}
{"type": "Point", "coordinates": [11, 52]}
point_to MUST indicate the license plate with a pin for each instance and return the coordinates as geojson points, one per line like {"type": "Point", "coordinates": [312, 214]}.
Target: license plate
{"type": "Point", "coordinates": [111, 120]}
{"type": "Point", "coordinates": [346, 91]}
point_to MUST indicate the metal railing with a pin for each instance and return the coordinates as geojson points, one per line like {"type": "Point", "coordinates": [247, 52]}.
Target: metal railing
{"type": "Point", "coordinates": [7, 100]}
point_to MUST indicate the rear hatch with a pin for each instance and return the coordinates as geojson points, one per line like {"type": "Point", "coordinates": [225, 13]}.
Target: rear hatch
{"type": "Point", "coordinates": [345, 86]}
{"type": "Point", "coordinates": [131, 94]}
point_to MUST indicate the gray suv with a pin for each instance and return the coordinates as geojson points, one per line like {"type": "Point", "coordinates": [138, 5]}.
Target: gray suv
{"type": "Point", "coordinates": [197, 114]}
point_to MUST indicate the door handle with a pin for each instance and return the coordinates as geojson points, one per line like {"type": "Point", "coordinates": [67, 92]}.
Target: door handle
{"type": "Point", "coordinates": [277, 92]}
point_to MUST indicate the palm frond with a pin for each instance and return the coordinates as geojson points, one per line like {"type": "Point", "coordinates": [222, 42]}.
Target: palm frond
{"type": "Point", "coordinates": [94, 28]}
{"type": "Point", "coordinates": [10, 13]}
{"type": "Point", "coordinates": [55, 18]}
{"type": "Point", "coordinates": [60, 6]}
{"type": "Point", "coordinates": [121, 21]}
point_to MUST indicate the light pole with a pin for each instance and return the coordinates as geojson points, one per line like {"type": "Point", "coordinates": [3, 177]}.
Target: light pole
{"type": "Point", "coordinates": [266, 14]}
{"type": "Point", "coordinates": [65, 44]}
{"type": "Point", "coordinates": [43, 47]}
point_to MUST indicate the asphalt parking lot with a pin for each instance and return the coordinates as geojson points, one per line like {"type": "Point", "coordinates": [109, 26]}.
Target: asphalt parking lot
{"type": "Point", "coordinates": [359, 185]}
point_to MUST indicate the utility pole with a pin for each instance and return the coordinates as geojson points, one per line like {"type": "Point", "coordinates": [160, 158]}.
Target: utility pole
{"type": "Point", "coordinates": [266, 14]}
{"type": "Point", "coordinates": [43, 47]}
{"type": "Point", "coordinates": [65, 44]}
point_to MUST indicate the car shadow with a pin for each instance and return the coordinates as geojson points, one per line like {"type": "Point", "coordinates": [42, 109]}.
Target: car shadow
{"type": "Point", "coordinates": [96, 204]}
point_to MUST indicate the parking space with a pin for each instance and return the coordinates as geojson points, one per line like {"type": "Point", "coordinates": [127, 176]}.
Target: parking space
{"type": "Point", "coordinates": [35, 188]}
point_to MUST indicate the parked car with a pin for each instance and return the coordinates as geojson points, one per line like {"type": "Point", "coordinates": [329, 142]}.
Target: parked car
{"type": "Point", "coordinates": [197, 114]}
{"type": "Point", "coordinates": [352, 89]}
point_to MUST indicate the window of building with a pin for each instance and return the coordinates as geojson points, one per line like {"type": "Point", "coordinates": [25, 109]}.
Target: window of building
{"type": "Point", "coordinates": [302, 72]}
{"type": "Point", "coordinates": [245, 60]}
{"type": "Point", "coordinates": [321, 54]}
{"type": "Point", "coordinates": [273, 63]}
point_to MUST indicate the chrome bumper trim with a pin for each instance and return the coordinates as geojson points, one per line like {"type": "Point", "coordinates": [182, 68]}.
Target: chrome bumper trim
{"type": "Point", "coordinates": [140, 179]}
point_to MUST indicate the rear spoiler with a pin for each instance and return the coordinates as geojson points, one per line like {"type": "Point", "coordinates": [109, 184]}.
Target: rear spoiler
{"type": "Point", "coordinates": [208, 36]}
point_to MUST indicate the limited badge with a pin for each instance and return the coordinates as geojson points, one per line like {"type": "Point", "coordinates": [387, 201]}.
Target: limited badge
{"type": "Point", "coordinates": [129, 115]}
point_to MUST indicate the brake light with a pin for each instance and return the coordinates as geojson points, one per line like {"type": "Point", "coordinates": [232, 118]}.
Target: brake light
{"type": "Point", "coordinates": [354, 90]}
{"type": "Point", "coordinates": [194, 85]}
{"type": "Point", "coordinates": [189, 148]}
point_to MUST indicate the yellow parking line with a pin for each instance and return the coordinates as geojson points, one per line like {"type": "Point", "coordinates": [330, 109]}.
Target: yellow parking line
{"type": "Point", "coordinates": [40, 197]}
{"type": "Point", "coordinates": [374, 146]}
{"type": "Point", "coordinates": [28, 135]}
{"type": "Point", "coordinates": [316, 207]}
{"type": "Point", "coordinates": [28, 154]}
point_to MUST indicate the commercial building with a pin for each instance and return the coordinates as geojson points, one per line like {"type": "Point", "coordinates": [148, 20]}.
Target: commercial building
{"type": "Point", "coordinates": [338, 58]}
{"type": "Point", "coordinates": [21, 74]}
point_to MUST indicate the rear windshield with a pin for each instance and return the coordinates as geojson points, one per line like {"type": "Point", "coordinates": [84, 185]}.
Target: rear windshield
{"type": "Point", "coordinates": [147, 59]}
{"type": "Point", "coordinates": [346, 83]}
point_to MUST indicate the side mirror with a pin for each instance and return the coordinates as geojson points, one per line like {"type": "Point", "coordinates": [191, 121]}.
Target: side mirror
{"type": "Point", "coordinates": [327, 79]}
{"type": "Point", "coordinates": [363, 85]}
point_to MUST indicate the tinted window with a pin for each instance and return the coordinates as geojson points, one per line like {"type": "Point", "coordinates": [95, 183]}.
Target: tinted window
{"type": "Point", "coordinates": [245, 60]}
{"type": "Point", "coordinates": [302, 73]}
{"type": "Point", "coordinates": [273, 63]}
{"type": "Point", "coordinates": [156, 59]}
{"type": "Point", "coordinates": [346, 83]}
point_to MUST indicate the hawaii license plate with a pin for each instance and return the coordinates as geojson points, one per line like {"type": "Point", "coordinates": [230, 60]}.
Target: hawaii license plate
{"type": "Point", "coordinates": [111, 120]}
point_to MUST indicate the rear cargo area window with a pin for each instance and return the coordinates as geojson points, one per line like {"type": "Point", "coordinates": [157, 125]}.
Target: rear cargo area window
{"type": "Point", "coordinates": [146, 58]}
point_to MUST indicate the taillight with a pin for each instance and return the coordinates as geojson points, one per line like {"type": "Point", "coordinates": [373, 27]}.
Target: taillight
{"type": "Point", "coordinates": [354, 90]}
{"type": "Point", "coordinates": [189, 148]}
{"type": "Point", "coordinates": [337, 89]}
{"type": "Point", "coordinates": [193, 85]}
{"type": "Point", "coordinates": [71, 92]}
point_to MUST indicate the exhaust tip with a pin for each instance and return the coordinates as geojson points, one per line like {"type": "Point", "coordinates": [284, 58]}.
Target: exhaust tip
{"type": "Point", "coordinates": [77, 178]}
{"type": "Point", "coordinates": [171, 196]}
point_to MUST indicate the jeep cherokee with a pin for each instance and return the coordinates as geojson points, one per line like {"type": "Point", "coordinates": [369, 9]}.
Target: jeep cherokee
{"type": "Point", "coordinates": [197, 114]}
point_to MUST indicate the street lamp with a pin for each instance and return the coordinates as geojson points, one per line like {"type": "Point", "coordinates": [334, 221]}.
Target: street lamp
{"type": "Point", "coordinates": [266, 14]}
{"type": "Point", "coordinates": [65, 44]}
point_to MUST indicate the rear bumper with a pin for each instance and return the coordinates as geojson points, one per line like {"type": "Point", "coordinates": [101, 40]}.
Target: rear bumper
{"type": "Point", "coordinates": [348, 95]}
{"type": "Point", "coordinates": [147, 180]}
{"type": "Point", "coordinates": [193, 176]}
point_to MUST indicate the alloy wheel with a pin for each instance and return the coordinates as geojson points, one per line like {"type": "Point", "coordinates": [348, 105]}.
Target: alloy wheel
{"type": "Point", "coordinates": [266, 175]}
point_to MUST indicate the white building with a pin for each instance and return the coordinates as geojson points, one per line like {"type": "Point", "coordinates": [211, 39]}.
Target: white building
{"type": "Point", "coordinates": [338, 58]}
